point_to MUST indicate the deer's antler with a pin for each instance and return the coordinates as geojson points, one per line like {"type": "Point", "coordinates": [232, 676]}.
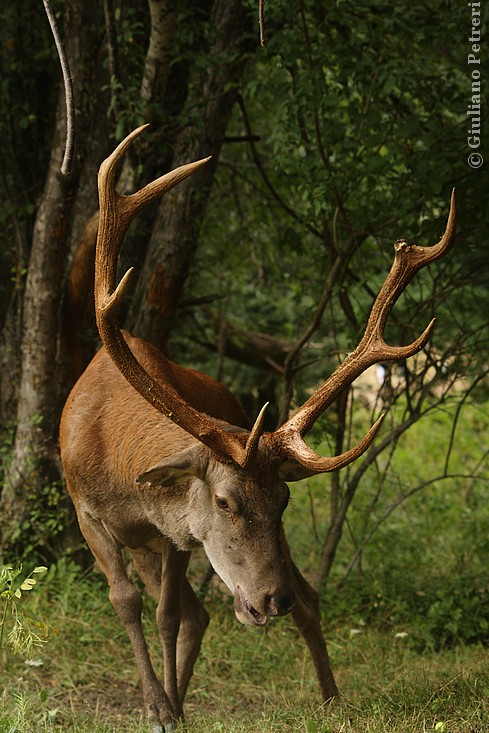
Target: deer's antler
{"type": "Point", "coordinates": [116, 213]}
{"type": "Point", "coordinates": [285, 445]}
{"type": "Point", "coordinates": [408, 260]}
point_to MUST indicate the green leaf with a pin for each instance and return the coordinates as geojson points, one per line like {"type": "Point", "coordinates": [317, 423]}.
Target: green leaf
{"type": "Point", "coordinates": [28, 584]}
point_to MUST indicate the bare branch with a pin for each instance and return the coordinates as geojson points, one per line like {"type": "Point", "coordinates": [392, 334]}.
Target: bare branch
{"type": "Point", "coordinates": [68, 85]}
{"type": "Point", "coordinates": [261, 20]}
{"type": "Point", "coordinates": [390, 509]}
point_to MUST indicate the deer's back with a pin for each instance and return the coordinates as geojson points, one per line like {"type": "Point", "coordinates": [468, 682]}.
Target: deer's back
{"type": "Point", "coordinates": [109, 434]}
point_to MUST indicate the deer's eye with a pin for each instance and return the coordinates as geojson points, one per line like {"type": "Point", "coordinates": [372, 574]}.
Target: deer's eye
{"type": "Point", "coordinates": [222, 503]}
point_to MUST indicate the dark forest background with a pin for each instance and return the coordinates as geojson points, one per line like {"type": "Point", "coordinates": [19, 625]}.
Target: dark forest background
{"type": "Point", "coordinates": [346, 132]}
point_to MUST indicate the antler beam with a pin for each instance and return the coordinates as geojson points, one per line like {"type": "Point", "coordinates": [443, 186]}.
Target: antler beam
{"type": "Point", "coordinates": [116, 213]}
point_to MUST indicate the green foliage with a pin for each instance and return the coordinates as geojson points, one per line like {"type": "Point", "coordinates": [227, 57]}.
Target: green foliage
{"type": "Point", "coordinates": [25, 711]}
{"type": "Point", "coordinates": [360, 119]}
{"type": "Point", "coordinates": [24, 633]}
{"type": "Point", "coordinates": [413, 555]}
{"type": "Point", "coordinates": [45, 520]}
{"type": "Point", "coordinates": [7, 434]}
{"type": "Point", "coordinates": [126, 105]}
{"type": "Point", "coordinates": [47, 511]}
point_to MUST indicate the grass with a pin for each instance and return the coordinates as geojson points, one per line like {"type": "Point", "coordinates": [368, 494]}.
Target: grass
{"type": "Point", "coordinates": [407, 633]}
{"type": "Point", "coordinates": [246, 680]}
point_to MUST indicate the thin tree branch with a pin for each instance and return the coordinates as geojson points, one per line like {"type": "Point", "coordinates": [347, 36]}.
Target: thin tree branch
{"type": "Point", "coordinates": [400, 500]}
{"type": "Point", "coordinates": [261, 22]}
{"type": "Point", "coordinates": [319, 140]}
{"type": "Point", "coordinates": [68, 86]}
{"type": "Point", "coordinates": [275, 194]}
{"type": "Point", "coordinates": [113, 56]}
{"type": "Point", "coordinates": [334, 277]}
{"type": "Point", "coordinates": [468, 392]}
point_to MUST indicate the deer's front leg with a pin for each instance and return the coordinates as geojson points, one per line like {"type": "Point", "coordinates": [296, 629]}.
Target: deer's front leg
{"type": "Point", "coordinates": [128, 605]}
{"type": "Point", "coordinates": [174, 564]}
{"type": "Point", "coordinates": [307, 619]}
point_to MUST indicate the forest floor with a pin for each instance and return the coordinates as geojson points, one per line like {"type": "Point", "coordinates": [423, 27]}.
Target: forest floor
{"type": "Point", "coordinates": [83, 679]}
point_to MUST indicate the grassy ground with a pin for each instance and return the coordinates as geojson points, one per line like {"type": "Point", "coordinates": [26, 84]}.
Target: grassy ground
{"type": "Point", "coordinates": [255, 680]}
{"type": "Point", "coordinates": [408, 632]}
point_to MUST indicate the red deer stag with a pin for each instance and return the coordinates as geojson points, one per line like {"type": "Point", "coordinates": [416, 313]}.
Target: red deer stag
{"type": "Point", "coordinates": [160, 459]}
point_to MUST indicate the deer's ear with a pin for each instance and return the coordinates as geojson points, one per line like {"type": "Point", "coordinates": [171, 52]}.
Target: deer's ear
{"type": "Point", "coordinates": [189, 462]}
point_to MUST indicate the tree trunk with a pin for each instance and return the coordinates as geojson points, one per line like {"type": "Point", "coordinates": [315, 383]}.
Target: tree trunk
{"type": "Point", "coordinates": [176, 229]}
{"type": "Point", "coordinates": [34, 461]}
{"type": "Point", "coordinates": [34, 451]}
{"type": "Point", "coordinates": [11, 335]}
{"type": "Point", "coordinates": [157, 65]}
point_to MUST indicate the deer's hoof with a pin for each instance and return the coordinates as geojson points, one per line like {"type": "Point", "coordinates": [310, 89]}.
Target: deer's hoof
{"type": "Point", "coordinates": [160, 720]}
{"type": "Point", "coordinates": [168, 727]}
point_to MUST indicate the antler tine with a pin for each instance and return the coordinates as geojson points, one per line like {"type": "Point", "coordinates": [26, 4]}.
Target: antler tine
{"type": "Point", "coordinates": [298, 451]}
{"type": "Point", "coordinates": [131, 204]}
{"type": "Point", "coordinates": [254, 438]}
{"type": "Point", "coordinates": [288, 441]}
{"type": "Point", "coordinates": [116, 213]}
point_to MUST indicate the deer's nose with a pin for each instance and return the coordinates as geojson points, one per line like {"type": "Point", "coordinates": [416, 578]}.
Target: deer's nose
{"type": "Point", "coordinates": [279, 604]}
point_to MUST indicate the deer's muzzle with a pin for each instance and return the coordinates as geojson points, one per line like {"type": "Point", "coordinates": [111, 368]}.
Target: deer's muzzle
{"type": "Point", "coordinates": [274, 605]}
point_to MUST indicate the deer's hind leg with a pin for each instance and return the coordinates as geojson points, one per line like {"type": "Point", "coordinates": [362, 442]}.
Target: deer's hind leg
{"type": "Point", "coordinates": [128, 604]}
{"type": "Point", "coordinates": [195, 620]}
{"type": "Point", "coordinates": [308, 620]}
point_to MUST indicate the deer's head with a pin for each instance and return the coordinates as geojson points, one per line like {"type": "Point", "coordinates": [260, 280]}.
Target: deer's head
{"type": "Point", "coordinates": [236, 515]}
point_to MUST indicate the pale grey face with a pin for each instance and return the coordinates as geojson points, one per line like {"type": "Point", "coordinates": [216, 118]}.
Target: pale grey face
{"type": "Point", "coordinates": [243, 542]}
{"type": "Point", "coordinates": [236, 516]}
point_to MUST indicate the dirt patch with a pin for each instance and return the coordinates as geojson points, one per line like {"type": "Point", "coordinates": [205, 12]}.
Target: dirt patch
{"type": "Point", "coordinates": [103, 701]}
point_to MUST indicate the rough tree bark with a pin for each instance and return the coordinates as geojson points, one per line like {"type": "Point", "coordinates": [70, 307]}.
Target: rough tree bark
{"type": "Point", "coordinates": [157, 66]}
{"type": "Point", "coordinates": [34, 458]}
{"type": "Point", "coordinates": [176, 229]}
{"type": "Point", "coordinates": [33, 453]}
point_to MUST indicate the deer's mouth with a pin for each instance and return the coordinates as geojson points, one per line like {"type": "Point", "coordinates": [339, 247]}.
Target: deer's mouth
{"type": "Point", "coordinates": [245, 612]}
